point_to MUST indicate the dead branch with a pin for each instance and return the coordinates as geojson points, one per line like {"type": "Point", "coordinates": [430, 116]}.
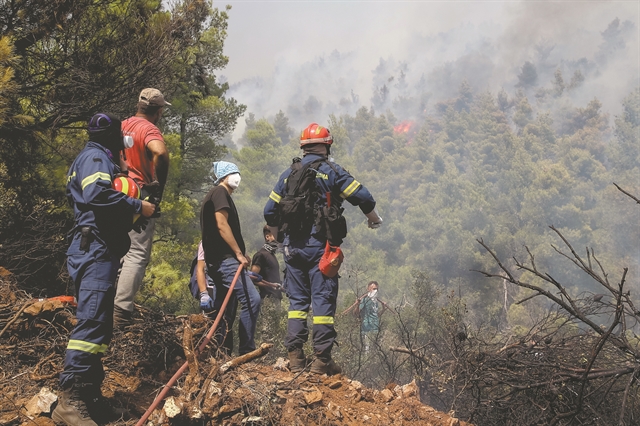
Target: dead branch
{"type": "Point", "coordinates": [261, 351]}
{"type": "Point", "coordinates": [626, 394]}
{"type": "Point", "coordinates": [573, 369]}
{"type": "Point", "coordinates": [16, 316]}
{"type": "Point", "coordinates": [627, 194]}
{"type": "Point", "coordinates": [37, 377]}
{"type": "Point", "coordinates": [409, 352]}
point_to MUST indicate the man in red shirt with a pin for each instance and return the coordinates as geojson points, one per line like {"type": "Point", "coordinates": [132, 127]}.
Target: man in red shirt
{"type": "Point", "coordinates": [148, 164]}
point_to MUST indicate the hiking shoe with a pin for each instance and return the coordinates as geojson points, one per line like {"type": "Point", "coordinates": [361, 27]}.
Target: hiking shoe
{"type": "Point", "coordinates": [325, 367]}
{"type": "Point", "coordinates": [297, 360]}
{"type": "Point", "coordinates": [71, 409]}
{"type": "Point", "coordinates": [121, 318]}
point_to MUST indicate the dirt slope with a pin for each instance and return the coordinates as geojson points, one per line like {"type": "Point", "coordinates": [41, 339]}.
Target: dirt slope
{"type": "Point", "coordinates": [34, 334]}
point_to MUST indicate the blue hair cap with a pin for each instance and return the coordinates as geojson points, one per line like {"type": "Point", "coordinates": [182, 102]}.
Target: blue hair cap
{"type": "Point", "coordinates": [221, 169]}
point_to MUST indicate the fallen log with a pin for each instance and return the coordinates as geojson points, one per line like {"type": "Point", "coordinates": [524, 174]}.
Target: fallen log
{"type": "Point", "coordinates": [261, 351]}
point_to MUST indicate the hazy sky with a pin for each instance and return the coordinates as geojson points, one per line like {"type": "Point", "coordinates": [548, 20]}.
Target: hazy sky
{"type": "Point", "coordinates": [283, 41]}
{"type": "Point", "coordinates": [263, 33]}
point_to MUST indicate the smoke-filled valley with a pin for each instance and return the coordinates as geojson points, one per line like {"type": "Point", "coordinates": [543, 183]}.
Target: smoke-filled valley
{"type": "Point", "coordinates": [501, 141]}
{"type": "Point", "coordinates": [483, 132]}
{"type": "Point", "coordinates": [502, 138]}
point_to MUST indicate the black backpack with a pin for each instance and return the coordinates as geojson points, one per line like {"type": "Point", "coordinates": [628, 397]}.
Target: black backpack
{"type": "Point", "coordinates": [297, 208]}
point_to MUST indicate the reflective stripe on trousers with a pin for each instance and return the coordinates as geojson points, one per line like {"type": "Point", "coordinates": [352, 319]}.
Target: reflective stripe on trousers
{"type": "Point", "coordinates": [93, 273]}
{"type": "Point", "coordinates": [308, 289]}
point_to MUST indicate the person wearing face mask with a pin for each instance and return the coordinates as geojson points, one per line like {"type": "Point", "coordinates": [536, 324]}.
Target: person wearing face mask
{"type": "Point", "coordinates": [103, 218]}
{"type": "Point", "coordinates": [203, 289]}
{"type": "Point", "coordinates": [370, 309]}
{"type": "Point", "coordinates": [224, 252]}
{"type": "Point", "coordinates": [147, 162]}
{"type": "Point", "coordinates": [266, 264]}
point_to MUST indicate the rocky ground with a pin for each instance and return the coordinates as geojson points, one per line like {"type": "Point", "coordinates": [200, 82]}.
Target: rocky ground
{"type": "Point", "coordinates": [34, 334]}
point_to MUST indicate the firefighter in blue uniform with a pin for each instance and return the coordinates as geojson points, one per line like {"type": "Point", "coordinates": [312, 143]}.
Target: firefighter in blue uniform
{"type": "Point", "coordinates": [103, 218]}
{"type": "Point", "coordinates": [304, 283]}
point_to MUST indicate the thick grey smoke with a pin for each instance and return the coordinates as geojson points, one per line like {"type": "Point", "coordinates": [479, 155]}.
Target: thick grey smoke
{"type": "Point", "coordinates": [312, 59]}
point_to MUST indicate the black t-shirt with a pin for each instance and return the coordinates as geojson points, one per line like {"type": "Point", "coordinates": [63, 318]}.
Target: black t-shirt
{"type": "Point", "coordinates": [215, 248]}
{"type": "Point", "coordinates": [269, 270]}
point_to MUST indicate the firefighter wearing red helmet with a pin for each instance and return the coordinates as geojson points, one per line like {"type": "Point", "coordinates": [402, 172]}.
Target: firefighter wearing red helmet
{"type": "Point", "coordinates": [304, 244]}
{"type": "Point", "coordinates": [98, 239]}
{"type": "Point", "coordinates": [315, 133]}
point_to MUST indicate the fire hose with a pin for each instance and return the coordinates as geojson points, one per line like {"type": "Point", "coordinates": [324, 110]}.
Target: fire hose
{"type": "Point", "coordinates": [204, 343]}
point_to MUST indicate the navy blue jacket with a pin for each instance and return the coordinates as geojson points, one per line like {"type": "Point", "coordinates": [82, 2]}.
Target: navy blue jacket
{"type": "Point", "coordinates": [95, 203]}
{"type": "Point", "coordinates": [339, 183]}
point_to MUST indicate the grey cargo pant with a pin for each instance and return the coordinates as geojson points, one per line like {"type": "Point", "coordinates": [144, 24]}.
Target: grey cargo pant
{"type": "Point", "coordinates": [133, 267]}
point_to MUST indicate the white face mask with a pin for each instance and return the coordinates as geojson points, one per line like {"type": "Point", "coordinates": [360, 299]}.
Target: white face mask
{"type": "Point", "coordinates": [127, 142]}
{"type": "Point", "coordinates": [233, 180]}
{"type": "Point", "coordinates": [373, 294]}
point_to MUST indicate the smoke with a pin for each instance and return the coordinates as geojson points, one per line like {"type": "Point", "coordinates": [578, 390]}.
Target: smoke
{"type": "Point", "coordinates": [311, 60]}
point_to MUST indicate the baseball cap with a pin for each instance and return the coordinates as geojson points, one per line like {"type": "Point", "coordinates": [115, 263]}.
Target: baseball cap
{"type": "Point", "coordinates": [150, 96]}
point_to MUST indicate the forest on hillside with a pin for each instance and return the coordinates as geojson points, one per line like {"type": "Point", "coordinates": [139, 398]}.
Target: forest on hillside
{"type": "Point", "coordinates": [505, 239]}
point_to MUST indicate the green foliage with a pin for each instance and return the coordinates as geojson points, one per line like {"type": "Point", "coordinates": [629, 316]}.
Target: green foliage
{"type": "Point", "coordinates": [625, 151]}
{"type": "Point", "coordinates": [72, 58]}
{"type": "Point", "coordinates": [261, 161]}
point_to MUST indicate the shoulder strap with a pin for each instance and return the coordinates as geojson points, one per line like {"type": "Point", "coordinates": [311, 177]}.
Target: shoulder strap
{"type": "Point", "coordinates": [331, 165]}
{"type": "Point", "coordinates": [295, 179]}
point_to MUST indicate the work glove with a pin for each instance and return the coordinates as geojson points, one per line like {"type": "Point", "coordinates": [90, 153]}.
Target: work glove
{"type": "Point", "coordinates": [206, 302]}
{"type": "Point", "coordinates": [279, 287]}
{"type": "Point", "coordinates": [255, 276]}
{"type": "Point", "coordinates": [374, 219]}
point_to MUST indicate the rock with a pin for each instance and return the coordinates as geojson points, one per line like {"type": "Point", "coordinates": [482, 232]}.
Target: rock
{"type": "Point", "coordinates": [281, 364]}
{"type": "Point", "coordinates": [313, 397]}
{"type": "Point", "coordinates": [40, 403]}
{"type": "Point", "coordinates": [334, 384]}
{"type": "Point", "coordinates": [196, 413]}
{"type": "Point", "coordinates": [386, 396]}
{"type": "Point", "coordinates": [356, 385]}
{"type": "Point", "coordinates": [366, 418]}
{"type": "Point", "coordinates": [367, 395]}
{"type": "Point", "coordinates": [410, 389]}
{"type": "Point", "coordinates": [172, 407]}
{"type": "Point", "coordinates": [334, 410]}
{"type": "Point", "coordinates": [398, 391]}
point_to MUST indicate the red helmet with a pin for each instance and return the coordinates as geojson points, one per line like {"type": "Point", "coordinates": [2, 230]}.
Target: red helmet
{"type": "Point", "coordinates": [315, 133]}
{"type": "Point", "coordinates": [127, 185]}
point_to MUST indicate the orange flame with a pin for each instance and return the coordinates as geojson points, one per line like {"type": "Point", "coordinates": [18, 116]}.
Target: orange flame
{"type": "Point", "coordinates": [403, 127]}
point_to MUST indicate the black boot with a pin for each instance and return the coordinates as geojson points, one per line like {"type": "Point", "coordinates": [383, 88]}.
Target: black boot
{"type": "Point", "coordinates": [72, 409]}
